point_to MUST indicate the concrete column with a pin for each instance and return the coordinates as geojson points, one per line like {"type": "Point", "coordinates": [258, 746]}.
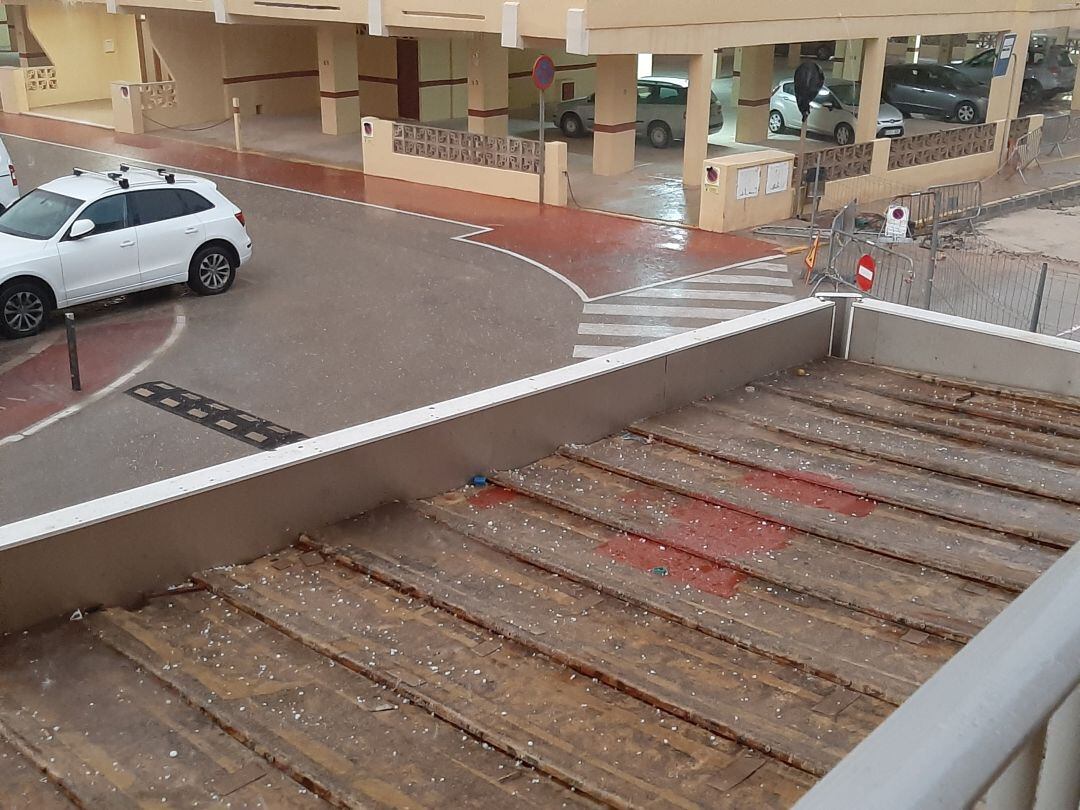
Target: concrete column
{"type": "Point", "coordinates": [615, 134]}
{"type": "Point", "coordinates": [339, 87]}
{"type": "Point", "coordinates": [913, 44]}
{"type": "Point", "coordinates": [873, 65]}
{"type": "Point", "coordinates": [698, 104]}
{"type": "Point", "coordinates": [755, 87]}
{"type": "Point", "coordinates": [1005, 90]}
{"type": "Point", "coordinates": [489, 86]}
{"type": "Point", "coordinates": [794, 54]}
{"type": "Point", "coordinates": [971, 45]}
{"type": "Point", "coordinates": [736, 74]}
{"type": "Point", "coordinates": [853, 60]}
{"type": "Point", "coordinates": [1076, 93]}
{"type": "Point", "coordinates": [838, 58]}
{"type": "Point", "coordinates": [644, 65]}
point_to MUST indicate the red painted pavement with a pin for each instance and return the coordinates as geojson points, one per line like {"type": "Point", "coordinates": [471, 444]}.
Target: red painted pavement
{"type": "Point", "coordinates": [41, 385]}
{"type": "Point", "coordinates": [601, 254]}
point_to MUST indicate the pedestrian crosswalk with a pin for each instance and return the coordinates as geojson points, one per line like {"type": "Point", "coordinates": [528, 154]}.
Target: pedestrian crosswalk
{"type": "Point", "coordinates": [640, 316]}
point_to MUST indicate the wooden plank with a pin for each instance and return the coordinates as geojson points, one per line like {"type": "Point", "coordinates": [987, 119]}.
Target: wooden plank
{"type": "Point", "coordinates": [606, 744]}
{"type": "Point", "coordinates": [881, 586]}
{"type": "Point", "coordinates": [113, 737]}
{"type": "Point", "coordinates": [709, 431]}
{"type": "Point", "coordinates": [832, 392]}
{"type": "Point", "coordinates": [841, 645]}
{"type": "Point", "coordinates": [324, 725]}
{"type": "Point", "coordinates": [23, 786]}
{"type": "Point", "coordinates": [737, 694]}
{"type": "Point", "coordinates": [992, 557]}
{"type": "Point", "coordinates": [1031, 412]}
{"type": "Point", "coordinates": [1035, 476]}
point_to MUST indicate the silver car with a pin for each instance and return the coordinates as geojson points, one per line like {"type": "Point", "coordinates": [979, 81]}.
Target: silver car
{"type": "Point", "coordinates": [940, 91]}
{"type": "Point", "coordinates": [832, 113]}
{"type": "Point", "coordinates": [661, 112]}
{"type": "Point", "coordinates": [1049, 71]}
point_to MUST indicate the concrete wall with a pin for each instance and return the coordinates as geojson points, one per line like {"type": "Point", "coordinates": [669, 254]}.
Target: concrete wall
{"type": "Point", "coordinates": [196, 71]}
{"type": "Point", "coordinates": [273, 70]}
{"type": "Point", "coordinates": [377, 58]}
{"type": "Point", "coordinates": [112, 550]}
{"type": "Point", "coordinates": [580, 71]}
{"type": "Point", "coordinates": [77, 39]}
{"type": "Point", "coordinates": [380, 160]}
{"type": "Point", "coordinates": [443, 83]}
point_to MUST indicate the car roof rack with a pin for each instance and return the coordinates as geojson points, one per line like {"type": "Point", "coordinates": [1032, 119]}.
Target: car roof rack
{"type": "Point", "coordinates": [115, 177]}
{"type": "Point", "coordinates": [168, 176]}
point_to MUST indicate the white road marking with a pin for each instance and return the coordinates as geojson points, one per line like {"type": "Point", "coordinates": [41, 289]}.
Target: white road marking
{"type": "Point", "coordinates": [764, 281]}
{"type": "Point", "coordinates": [631, 330]}
{"type": "Point", "coordinates": [179, 321]}
{"type": "Point", "coordinates": [464, 238]}
{"type": "Point", "coordinates": [584, 352]}
{"type": "Point", "coordinates": [690, 278]}
{"type": "Point", "coordinates": [771, 267]}
{"type": "Point", "coordinates": [714, 295]}
{"type": "Point", "coordinates": [648, 311]}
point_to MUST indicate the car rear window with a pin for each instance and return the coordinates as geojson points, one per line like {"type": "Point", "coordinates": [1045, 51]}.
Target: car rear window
{"type": "Point", "coordinates": [38, 215]}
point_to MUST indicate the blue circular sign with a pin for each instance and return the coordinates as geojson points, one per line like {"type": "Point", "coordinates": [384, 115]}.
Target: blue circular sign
{"type": "Point", "coordinates": [543, 73]}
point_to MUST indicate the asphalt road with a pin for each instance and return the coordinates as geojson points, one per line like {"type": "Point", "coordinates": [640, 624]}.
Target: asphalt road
{"type": "Point", "coordinates": [345, 314]}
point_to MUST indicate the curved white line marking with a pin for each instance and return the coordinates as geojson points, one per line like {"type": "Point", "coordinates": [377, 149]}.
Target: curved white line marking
{"type": "Point", "coordinates": [466, 238]}
{"type": "Point", "coordinates": [178, 326]}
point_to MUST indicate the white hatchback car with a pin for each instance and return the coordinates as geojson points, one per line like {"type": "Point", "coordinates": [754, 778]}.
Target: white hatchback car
{"type": "Point", "coordinates": [9, 183]}
{"type": "Point", "coordinates": [90, 236]}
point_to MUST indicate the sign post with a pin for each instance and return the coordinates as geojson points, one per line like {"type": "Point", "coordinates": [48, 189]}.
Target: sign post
{"type": "Point", "coordinates": [543, 76]}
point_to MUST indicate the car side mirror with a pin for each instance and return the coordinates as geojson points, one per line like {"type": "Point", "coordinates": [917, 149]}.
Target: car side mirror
{"type": "Point", "coordinates": [81, 228]}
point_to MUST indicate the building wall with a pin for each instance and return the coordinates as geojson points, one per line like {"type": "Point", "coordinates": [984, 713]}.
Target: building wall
{"type": "Point", "coordinates": [574, 74]}
{"type": "Point", "coordinates": [377, 58]}
{"type": "Point", "coordinates": [197, 71]}
{"type": "Point", "coordinates": [75, 37]}
{"type": "Point", "coordinates": [272, 69]}
{"type": "Point", "coordinates": [443, 79]}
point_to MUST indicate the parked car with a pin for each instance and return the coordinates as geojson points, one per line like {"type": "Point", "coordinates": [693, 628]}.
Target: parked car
{"type": "Point", "coordinates": [941, 91]}
{"type": "Point", "coordinates": [661, 112]}
{"type": "Point", "coordinates": [9, 183]}
{"type": "Point", "coordinates": [821, 50]}
{"type": "Point", "coordinates": [89, 236]}
{"type": "Point", "coordinates": [832, 113]}
{"type": "Point", "coordinates": [1049, 70]}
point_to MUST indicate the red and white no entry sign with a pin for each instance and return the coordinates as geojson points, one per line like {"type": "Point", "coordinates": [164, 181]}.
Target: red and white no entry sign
{"type": "Point", "coordinates": [864, 273]}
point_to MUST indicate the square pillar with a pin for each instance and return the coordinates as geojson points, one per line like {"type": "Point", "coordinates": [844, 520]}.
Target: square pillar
{"type": "Point", "coordinates": [339, 85]}
{"type": "Point", "coordinates": [1075, 106]}
{"type": "Point", "coordinates": [853, 60]}
{"type": "Point", "coordinates": [698, 108]}
{"type": "Point", "coordinates": [615, 124]}
{"type": "Point", "coordinates": [644, 65]}
{"type": "Point", "coordinates": [755, 90]}
{"type": "Point", "coordinates": [1005, 90]}
{"type": "Point", "coordinates": [873, 65]}
{"type": "Point", "coordinates": [794, 54]}
{"type": "Point", "coordinates": [912, 54]}
{"type": "Point", "coordinates": [489, 92]}
{"type": "Point", "coordinates": [839, 58]}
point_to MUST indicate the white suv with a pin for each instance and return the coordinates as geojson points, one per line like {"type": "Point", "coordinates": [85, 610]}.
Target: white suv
{"type": "Point", "coordinates": [90, 236]}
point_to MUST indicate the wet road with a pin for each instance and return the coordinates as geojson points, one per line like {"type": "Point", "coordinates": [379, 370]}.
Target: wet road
{"type": "Point", "coordinates": [345, 314]}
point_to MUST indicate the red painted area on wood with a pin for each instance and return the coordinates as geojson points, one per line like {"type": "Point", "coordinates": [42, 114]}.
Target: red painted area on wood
{"type": "Point", "coordinates": [821, 496]}
{"type": "Point", "coordinates": [715, 532]}
{"type": "Point", "coordinates": [645, 555]}
{"type": "Point", "coordinates": [491, 496]}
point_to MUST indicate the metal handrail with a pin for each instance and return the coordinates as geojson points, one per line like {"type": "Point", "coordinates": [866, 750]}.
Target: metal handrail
{"type": "Point", "coordinates": [979, 724]}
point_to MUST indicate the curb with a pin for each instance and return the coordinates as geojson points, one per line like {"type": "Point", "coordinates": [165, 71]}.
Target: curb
{"type": "Point", "coordinates": [1031, 199]}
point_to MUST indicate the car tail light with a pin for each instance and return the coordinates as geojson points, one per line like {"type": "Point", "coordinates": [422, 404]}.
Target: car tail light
{"type": "Point", "coordinates": [11, 171]}
{"type": "Point", "coordinates": [240, 218]}
{"type": "Point", "coordinates": [1055, 70]}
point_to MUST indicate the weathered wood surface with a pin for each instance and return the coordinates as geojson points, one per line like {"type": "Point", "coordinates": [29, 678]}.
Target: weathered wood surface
{"type": "Point", "coordinates": [1024, 409]}
{"type": "Point", "coordinates": [115, 737]}
{"type": "Point", "coordinates": [832, 389]}
{"type": "Point", "coordinates": [355, 742]}
{"type": "Point", "coordinates": [881, 586]}
{"type": "Point", "coordinates": [23, 786]}
{"type": "Point", "coordinates": [707, 430]}
{"type": "Point", "coordinates": [992, 557]}
{"type": "Point", "coordinates": [739, 694]}
{"type": "Point", "coordinates": [875, 657]}
{"type": "Point", "coordinates": [1011, 471]}
{"type": "Point", "coordinates": [608, 745]}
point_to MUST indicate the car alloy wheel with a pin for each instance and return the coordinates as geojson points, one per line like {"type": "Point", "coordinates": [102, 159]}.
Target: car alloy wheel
{"type": "Point", "coordinates": [214, 271]}
{"type": "Point", "coordinates": [23, 312]}
{"type": "Point", "coordinates": [965, 113]}
{"type": "Point", "coordinates": [571, 126]}
{"type": "Point", "coordinates": [776, 122]}
{"type": "Point", "coordinates": [844, 135]}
